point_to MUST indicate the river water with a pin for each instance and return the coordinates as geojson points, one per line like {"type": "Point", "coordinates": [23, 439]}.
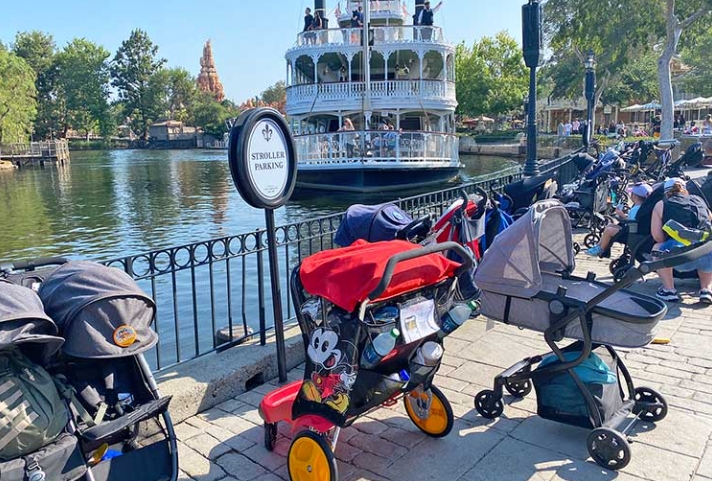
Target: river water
{"type": "Point", "coordinates": [104, 205]}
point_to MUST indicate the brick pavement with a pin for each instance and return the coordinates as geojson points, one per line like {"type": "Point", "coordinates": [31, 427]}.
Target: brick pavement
{"type": "Point", "coordinates": [225, 443]}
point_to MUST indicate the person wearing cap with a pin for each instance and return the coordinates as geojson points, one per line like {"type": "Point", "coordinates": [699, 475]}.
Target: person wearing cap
{"type": "Point", "coordinates": [692, 212]}
{"type": "Point", "coordinates": [638, 193]}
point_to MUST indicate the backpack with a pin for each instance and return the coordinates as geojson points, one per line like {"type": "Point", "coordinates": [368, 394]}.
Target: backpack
{"type": "Point", "coordinates": [32, 413]}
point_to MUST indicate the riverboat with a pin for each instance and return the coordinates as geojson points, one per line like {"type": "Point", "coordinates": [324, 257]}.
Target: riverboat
{"type": "Point", "coordinates": [374, 116]}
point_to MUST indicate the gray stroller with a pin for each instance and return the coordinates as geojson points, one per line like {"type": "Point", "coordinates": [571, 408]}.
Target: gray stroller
{"type": "Point", "coordinates": [526, 280]}
{"type": "Point", "coordinates": [119, 418]}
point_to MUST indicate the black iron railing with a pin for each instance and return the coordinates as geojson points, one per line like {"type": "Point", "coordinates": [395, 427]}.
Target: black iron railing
{"type": "Point", "coordinates": [222, 284]}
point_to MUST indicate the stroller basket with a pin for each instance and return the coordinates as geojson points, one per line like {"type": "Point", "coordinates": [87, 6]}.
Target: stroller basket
{"type": "Point", "coordinates": [560, 398]}
{"type": "Point", "coordinates": [530, 266]}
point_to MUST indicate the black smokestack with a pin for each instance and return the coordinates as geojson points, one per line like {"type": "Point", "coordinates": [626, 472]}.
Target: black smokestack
{"type": "Point", "coordinates": [319, 6]}
{"type": "Point", "coordinates": [419, 5]}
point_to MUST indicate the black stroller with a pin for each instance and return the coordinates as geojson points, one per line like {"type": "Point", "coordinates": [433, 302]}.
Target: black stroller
{"type": "Point", "coordinates": [637, 238]}
{"type": "Point", "coordinates": [120, 420]}
{"type": "Point", "coordinates": [518, 196]}
{"type": "Point", "coordinates": [585, 383]}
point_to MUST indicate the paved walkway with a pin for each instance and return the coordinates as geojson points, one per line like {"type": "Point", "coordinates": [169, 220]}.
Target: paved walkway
{"type": "Point", "coordinates": [226, 442]}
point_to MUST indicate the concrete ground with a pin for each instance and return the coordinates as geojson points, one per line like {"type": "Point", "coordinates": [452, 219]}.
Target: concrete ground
{"type": "Point", "coordinates": [225, 442]}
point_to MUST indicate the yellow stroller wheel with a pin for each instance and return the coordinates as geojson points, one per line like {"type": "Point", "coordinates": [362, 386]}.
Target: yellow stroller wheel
{"type": "Point", "coordinates": [430, 411]}
{"type": "Point", "coordinates": [310, 459]}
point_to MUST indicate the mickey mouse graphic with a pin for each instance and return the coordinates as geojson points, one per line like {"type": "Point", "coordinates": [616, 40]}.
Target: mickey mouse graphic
{"type": "Point", "coordinates": [332, 379]}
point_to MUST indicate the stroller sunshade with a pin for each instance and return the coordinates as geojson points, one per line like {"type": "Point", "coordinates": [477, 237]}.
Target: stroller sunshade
{"type": "Point", "coordinates": [101, 312]}
{"type": "Point", "coordinates": [23, 322]}
{"type": "Point", "coordinates": [372, 223]}
{"type": "Point", "coordinates": [348, 275]}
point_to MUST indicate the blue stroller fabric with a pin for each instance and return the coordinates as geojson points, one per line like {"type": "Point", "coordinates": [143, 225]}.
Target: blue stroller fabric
{"type": "Point", "coordinates": [592, 371]}
{"type": "Point", "coordinates": [562, 394]}
{"type": "Point", "coordinates": [496, 220]}
{"type": "Point", "coordinates": [372, 223]}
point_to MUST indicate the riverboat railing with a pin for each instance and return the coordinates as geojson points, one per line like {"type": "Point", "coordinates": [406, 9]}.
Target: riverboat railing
{"type": "Point", "coordinates": [376, 146]}
{"type": "Point", "coordinates": [342, 37]}
{"type": "Point", "coordinates": [411, 89]}
{"type": "Point", "coordinates": [222, 283]}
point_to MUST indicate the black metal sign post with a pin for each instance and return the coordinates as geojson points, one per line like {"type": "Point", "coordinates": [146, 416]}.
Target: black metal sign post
{"type": "Point", "coordinates": [264, 169]}
{"type": "Point", "coordinates": [532, 46]}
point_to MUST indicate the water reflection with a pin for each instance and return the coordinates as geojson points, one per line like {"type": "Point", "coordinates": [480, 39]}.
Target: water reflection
{"type": "Point", "coordinates": [109, 204]}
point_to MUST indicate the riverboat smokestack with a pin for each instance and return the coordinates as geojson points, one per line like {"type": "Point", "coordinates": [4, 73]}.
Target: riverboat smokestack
{"type": "Point", "coordinates": [319, 6]}
{"type": "Point", "coordinates": [419, 6]}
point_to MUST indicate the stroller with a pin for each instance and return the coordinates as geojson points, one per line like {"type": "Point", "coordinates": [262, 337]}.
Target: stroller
{"type": "Point", "coordinates": [118, 417]}
{"type": "Point", "coordinates": [637, 237]}
{"type": "Point", "coordinates": [518, 196]}
{"type": "Point", "coordinates": [526, 280]}
{"type": "Point", "coordinates": [345, 300]}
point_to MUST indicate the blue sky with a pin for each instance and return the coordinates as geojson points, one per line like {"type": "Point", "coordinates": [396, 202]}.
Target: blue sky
{"type": "Point", "coordinates": [249, 36]}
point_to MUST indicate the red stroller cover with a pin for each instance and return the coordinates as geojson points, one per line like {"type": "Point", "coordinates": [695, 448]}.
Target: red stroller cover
{"type": "Point", "coordinates": [347, 276]}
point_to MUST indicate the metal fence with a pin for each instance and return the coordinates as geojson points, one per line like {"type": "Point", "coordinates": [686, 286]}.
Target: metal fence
{"type": "Point", "coordinates": [223, 283]}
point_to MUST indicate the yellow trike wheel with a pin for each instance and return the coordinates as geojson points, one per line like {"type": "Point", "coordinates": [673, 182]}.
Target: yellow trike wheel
{"type": "Point", "coordinates": [430, 411]}
{"type": "Point", "coordinates": [310, 459]}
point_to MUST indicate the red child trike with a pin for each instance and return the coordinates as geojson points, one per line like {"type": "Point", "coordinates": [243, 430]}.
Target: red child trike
{"type": "Point", "coordinates": [344, 299]}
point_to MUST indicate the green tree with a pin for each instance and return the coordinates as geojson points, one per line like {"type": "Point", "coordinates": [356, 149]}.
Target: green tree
{"type": "Point", "coordinates": [38, 50]}
{"type": "Point", "coordinates": [676, 19]}
{"type": "Point", "coordinates": [174, 92]}
{"type": "Point", "coordinates": [211, 115]}
{"type": "Point", "coordinates": [18, 105]}
{"type": "Point", "coordinates": [275, 94]}
{"type": "Point", "coordinates": [134, 64]}
{"type": "Point", "coordinates": [696, 55]}
{"type": "Point", "coordinates": [83, 81]}
{"type": "Point", "coordinates": [491, 76]}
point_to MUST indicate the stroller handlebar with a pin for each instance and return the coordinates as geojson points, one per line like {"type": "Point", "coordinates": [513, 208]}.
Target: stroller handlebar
{"type": "Point", "coordinates": [677, 257]}
{"type": "Point", "coordinates": [413, 254]}
{"type": "Point", "coordinates": [33, 264]}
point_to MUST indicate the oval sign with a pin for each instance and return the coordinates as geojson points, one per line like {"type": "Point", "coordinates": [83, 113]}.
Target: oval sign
{"type": "Point", "coordinates": [262, 161]}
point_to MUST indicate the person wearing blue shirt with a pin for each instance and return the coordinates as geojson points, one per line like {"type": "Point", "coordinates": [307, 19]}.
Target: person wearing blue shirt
{"type": "Point", "coordinates": [638, 193]}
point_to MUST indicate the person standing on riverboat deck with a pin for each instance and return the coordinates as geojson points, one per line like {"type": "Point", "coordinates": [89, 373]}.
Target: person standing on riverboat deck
{"type": "Point", "coordinates": [348, 138]}
{"type": "Point", "coordinates": [356, 24]}
{"type": "Point", "coordinates": [308, 22]}
{"type": "Point", "coordinates": [426, 19]}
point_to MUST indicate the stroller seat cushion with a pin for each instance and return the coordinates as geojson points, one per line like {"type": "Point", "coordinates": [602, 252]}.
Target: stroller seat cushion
{"type": "Point", "coordinates": [354, 272]}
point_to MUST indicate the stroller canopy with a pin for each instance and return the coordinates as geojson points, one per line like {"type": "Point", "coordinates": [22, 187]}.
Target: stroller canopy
{"type": "Point", "coordinates": [101, 312]}
{"type": "Point", "coordinates": [540, 241]}
{"type": "Point", "coordinates": [372, 223]}
{"type": "Point", "coordinates": [347, 276]}
{"type": "Point", "coordinates": [23, 322]}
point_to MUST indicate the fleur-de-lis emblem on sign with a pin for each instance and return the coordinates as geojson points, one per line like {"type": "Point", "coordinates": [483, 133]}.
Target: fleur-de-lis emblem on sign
{"type": "Point", "coordinates": [267, 133]}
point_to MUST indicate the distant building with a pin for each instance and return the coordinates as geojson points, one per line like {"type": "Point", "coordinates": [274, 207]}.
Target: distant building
{"type": "Point", "coordinates": [208, 80]}
{"type": "Point", "coordinates": [171, 130]}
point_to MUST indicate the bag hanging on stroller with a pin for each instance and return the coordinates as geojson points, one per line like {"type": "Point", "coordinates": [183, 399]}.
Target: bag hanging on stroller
{"type": "Point", "coordinates": [106, 321]}
{"type": "Point", "coordinates": [33, 415]}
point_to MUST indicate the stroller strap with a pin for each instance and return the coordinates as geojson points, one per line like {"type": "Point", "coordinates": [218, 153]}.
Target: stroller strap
{"type": "Point", "coordinates": [69, 393]}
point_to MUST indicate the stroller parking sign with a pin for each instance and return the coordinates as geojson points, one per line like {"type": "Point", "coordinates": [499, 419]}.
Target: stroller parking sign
{"type": "Point", "coordinates": [262, 160]}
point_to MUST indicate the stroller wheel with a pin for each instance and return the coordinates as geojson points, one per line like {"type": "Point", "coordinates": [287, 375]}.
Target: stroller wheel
{"type": "Point", "coordinates": [518, 389]}
{"type": "Point", "coordinates": [430, 411]}
{"type": "Point", "coordinates": [620, 273]}
{"type": "Point", "coordinates": [618, 264]}
{"type": "Point", "coordinates": [487, 405]}
{"type": "Point", "coordinates": [310, 459]}
{"type": "Point", "coordinates": [577, 248]}
{"type": "Point", "coordinates": [650, 405]}
{"type": "Point", "coordinates": [591, 240]}
{"type": "Point", "coordinates": [608, 448]}
{"type": "Point", "coordinates": [270, 436]}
